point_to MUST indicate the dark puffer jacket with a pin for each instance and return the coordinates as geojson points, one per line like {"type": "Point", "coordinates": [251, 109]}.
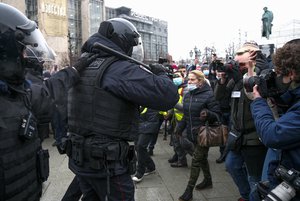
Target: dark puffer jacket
{"type": "Point", "coordinates": [193, 103]}
{"type": "Point", "coordinates": [149, 122]}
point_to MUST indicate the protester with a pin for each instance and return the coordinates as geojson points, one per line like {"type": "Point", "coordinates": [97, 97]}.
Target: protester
{"type": "Point", "coordinates": [224, 99]}
{"type": "Point", "coordinates": [245, 148]}
{"type": "Point", "coordinates": [182, 69]}
{"type": "Point", "coordinates": [199, 106]}
{"type": "Point", "coordinates": [153, 140]}
{"type": "Point", "coordinates": [212, 69]}
{"type": "Point", "coordinates": [148, 126]}
{"type": "Point", "coordinates": [103, 112]}
{"type": "Point", "coordinates": [179, 157]}
{"type": "Point", "coordinates": [283, 133]}
{"type": "Point", "coordinates": [205, 70]}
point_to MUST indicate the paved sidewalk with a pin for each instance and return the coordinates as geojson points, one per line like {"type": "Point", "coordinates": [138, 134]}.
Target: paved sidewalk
{"type": "Point", "coordinates": [167, 184]}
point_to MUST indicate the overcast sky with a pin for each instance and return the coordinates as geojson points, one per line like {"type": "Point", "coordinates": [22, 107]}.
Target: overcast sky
{"type": "Point", "coordinates": [212, 23]}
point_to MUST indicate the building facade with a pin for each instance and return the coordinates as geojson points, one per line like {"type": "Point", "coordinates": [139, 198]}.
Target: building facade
{"type": "Point", "coordinates": [67, 24]}
{"type": "Point", "coordinates": [154, 32]}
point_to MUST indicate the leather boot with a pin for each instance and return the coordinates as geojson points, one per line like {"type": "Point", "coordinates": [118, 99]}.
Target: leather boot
{"type": "Point", "coordinates": [173, 159]}
{"type": "Point", "coordinates": [179, 164]}
{"type": "Point", "coordinates": [206, 183]}
{"type": "Point", "coordinates": [187, 195]}
{"type": "Point", "coordinates": [221, 159]}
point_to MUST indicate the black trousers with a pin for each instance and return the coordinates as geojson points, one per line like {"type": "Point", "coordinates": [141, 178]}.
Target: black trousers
{"type": "Point", "coordinates": [143, 158]}
{"type": "Point", "coordinates": [73, 192]}
{"type": "Point", "coordinates": [95, 189]}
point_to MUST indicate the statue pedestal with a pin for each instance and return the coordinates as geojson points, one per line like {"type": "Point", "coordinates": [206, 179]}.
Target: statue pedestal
{"type": "Point", "coordinates": [265, 41]}
{"type": "Point", "coordinates": [267, 48]}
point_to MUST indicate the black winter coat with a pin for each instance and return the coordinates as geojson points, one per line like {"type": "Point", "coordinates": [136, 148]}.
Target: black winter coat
{"type": "Point", "coordinates": [193, 103]}
{"type": "Point", "coordinates": [149, 122]}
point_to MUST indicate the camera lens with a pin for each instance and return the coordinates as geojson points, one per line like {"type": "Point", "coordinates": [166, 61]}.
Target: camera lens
{"type": "Point", "coordinates": [282, 192]}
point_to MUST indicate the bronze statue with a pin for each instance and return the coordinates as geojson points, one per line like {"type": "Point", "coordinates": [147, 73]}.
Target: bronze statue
{"type": "Point", "coordinates": [267, 19]}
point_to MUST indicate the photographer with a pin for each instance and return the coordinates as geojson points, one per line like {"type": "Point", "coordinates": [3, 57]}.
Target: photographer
{"type": "Point", "coordinates": [246, 155]}
{"type": "Point", "coordinates": [224, 101]}
{"type": "Point", "coordinates": [283, 133]}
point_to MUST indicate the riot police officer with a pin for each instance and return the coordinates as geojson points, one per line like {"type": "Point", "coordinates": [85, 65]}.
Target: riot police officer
{"type": "Point", "coordinates": [104, 109]}
{"type": "Point", "coordinates": [24, 165]}
{"type": "Point", "coordinates": [21, 104]}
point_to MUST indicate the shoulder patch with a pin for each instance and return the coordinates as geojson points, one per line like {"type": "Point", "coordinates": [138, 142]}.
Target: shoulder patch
{"type": "Point", "coordinates": [96, 64]}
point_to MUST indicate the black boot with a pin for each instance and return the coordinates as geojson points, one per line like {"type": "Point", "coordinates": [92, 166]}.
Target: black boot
{"type": "Point", "coordinates": [206, 183]}
{"type": "Point", "coordinates": [150, 152]}
{"type": "Point", "coordinates": [179, 164]}
{"type": "Point", "coordinates": [221, 159]}
{"type": "Point", "coordinates": [187, 195]}
{"type": "Point", "coordinates": [173, 159]}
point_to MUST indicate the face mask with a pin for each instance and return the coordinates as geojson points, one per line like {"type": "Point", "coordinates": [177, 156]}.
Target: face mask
{"type": "Point", "coordinates": [177, 81]}
{"type": "Point", "coordinates": [283, 87]}
{"type": "Point", "coordinates": [191, 87]}
{"type": "Point", "coordinates": [206, 72]}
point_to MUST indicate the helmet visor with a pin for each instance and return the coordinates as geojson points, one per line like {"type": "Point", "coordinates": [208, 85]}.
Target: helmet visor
{"type": "Point", "coordinates": [36, 47]}
{"type": "Point", "coordinates": [138, 51]}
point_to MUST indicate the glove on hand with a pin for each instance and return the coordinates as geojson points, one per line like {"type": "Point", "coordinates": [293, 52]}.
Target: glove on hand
{"type": "Point", "coordinates": [157, 69]}
{"type": "Point", "coordinates": [261, 63]}
{"type": "Point", "coordinates": [84, 61]}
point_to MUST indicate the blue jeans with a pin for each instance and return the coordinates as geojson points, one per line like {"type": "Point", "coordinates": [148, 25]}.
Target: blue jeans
{"type": "Point", "coordinates": [235, 166]}
{"type": "Point", "coordinates": [251, 159]}
{"type": "Point", "coordinates": [271, 155]}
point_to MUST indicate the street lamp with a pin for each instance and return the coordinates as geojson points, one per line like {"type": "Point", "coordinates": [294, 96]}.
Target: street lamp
{"type": "Point", "coordinates": [196, 52]}
{"type": "Point", "coordinates": [191, 55]}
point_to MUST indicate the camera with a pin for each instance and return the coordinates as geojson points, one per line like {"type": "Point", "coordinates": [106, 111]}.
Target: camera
{"type": "Point", "coordinates": [266, 83]}
{"type": "Point", "coordinates": [28, 129]}
{"type": "Point", "coordinates": [230, 68]}
{"type": "Point", "coordinates": [287, 189]}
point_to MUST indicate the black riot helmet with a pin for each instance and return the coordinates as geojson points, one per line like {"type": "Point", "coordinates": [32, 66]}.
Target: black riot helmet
{"type": "Point", "coordinates": [122, 32]}
{"type": "Point", "coordinates": [20, 39]}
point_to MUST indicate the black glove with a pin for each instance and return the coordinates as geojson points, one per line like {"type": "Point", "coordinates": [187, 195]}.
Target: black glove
{"type": "Point", "coordinates": [158, 69]}
{"type": "Point", "coordinates": [84, 61]}
{"type": "Point", "coordinates": [261, 63]}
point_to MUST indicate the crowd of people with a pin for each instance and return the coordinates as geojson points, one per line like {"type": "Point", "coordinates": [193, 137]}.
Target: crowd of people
{"type": "Point", "coordinates": [106, 100]}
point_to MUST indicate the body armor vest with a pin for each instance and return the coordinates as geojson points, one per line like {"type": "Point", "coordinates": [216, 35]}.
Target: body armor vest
{"type": "Point", "coordinates": [18, 158]}
{"type": "Point", "coordinates": [94, 111]}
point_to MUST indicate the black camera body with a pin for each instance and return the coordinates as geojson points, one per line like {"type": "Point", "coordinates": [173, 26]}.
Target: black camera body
{"type": "Point", "coordinates": [287, 189]}
{"type": "Point", "coordinates": [28, 129]}
{"type": "Point", "coordinates": [230, 68]}
{"type": "Point", "coordinates": [266, 83]}
{"type": "Point", "coordinates": [291, 176]}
